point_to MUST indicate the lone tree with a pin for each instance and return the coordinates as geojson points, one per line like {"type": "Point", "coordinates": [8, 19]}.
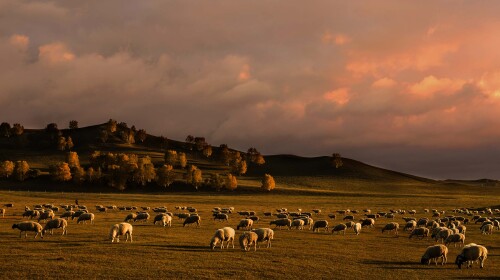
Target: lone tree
{"type": "Point", "coordinates": [337, 160]}
{"type": "Point", "coordinates": [268, 183]}
{"type": "Point", "coordinates": [73, 124]}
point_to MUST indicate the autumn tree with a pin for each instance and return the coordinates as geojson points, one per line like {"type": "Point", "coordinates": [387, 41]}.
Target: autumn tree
{"type": "Point", "coordinates": [17, 129]}
{"type": "Point", "coordinates": [5, 129]}
{"type": "Point", "coordinates": [52, 128]}
{"type": "Point", "coordinates": [79, 174]}
{"type": "Point", "coordinates": [171, 157]}
{"type": "Point", "coordinates": [207, 151]}
{"type": "Point", "coordinates": [194, 176]}
{"type": "Point", "coordinates": [259, 160]}
{"type": "Point", "coordinates": [164, 175]}
{"type": "Point", "coordinates": [241, 167]}
{"type": "Point", "coordinates": [6, 169]}
{"type": "Point", "coordinates": [111, 126]}
{"type": "Point", "coordinates": [182, 160]}
{"type": "Point", "coordinates": [60, 172]}
{"type": "Point", "coordinates": [268, 183]}
{"type": "Point", "coordinates": [200, 143]}
{"type": "Point", "coordinates": [127, 136]}
{"type": "Point", "coordinates": [61, 143]}
{"type": "Point", "coordinates": [117, 177]}
{"type": "Point", "coordinates": [225, 154]}
{"type": "Point", "coordinates": [21, 169]}
{"type": "Point", "coordinates": [73, 124]}
{"type": "Point", "coordinates": [145, 171]}
{"type": "Point", "coordinates": [90, 175]}
{"type": "Point", "coordinates": [337, 160]}
{"type": "Point", "coordinates": [190, 139]}
{"type": "Point", "coordinates": [231, 183]}
{"type": "Point", "coordinates": [141, 135]}
{"type": "Point", "coordinates": [72, 159]}
{"type": "Point", "coordinates": [69, 143]}
{"type": "Point", "coordinates": [216, 181]}
{"type": "Point", "coordinates": [104, 135]}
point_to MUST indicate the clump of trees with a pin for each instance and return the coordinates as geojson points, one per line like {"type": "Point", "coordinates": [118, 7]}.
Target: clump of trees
{"type": "Point", "coordinates": [268, 183]}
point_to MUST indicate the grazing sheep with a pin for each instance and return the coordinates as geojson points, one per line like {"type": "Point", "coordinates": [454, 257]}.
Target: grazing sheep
{"type": "Point", "coordinates": [130, 217]}
{"type": "Point", "coordinates": [182, 215]}
{"type": "Point", "coordinates": [29, 226]}
{"type": "Point", "coordinates": [339, 228]}
{"type": "Point", "coordinates": [143, 216]}
{"type": "Point", "coordinates": [120, 229]}
{"type": "Point", "coordinates": [332, 216]}
{"type": "Point", "coordinates": [348, 217]}
{"type": "Point", "coordinates": [462, 229]}
{"type": "Point", "coordinates": [31, 214]}
{"type": "Point", "coordinates": [164, 220]}
{"type": "Point", "coordinates": [357, 228]}
{"type": "Point", "coordinates": [434, 253]}
{"type": "Point", "coordinates": [221, 217]}
{"type": "Point", "coordinates": [221, 235]}
{"type": "Point", "coordinates": [317, 211]}
{"type": "Point", "coordinates": [281, 223]}
{"type": "Point", "coordinates": [412, 212]}
{"type": "Point", "coordinates": [191, 220]}
{"type": "Point", "coordinates": [420, 232]}
{"type": "Point", "coordinates": [255, 219]}
{"type": "Point", "coordinates": [67, 214]}
{"type": "Point", "coordinates": [470, 253]}
{"type": "Point", "coordinates": [2, 211]}
{"type": "Point", "coordinates": [487, 229]}
{"type": "Point", "coordinates": [455, 238]}
{"type": "Point", "coordinates": [78, 213]}
{"type": "Point", "coordinates": [391, 227]}
{"type": "Point", "coordinates": [46, 216]}
{"type": "Point", "coordinates": [9, 205]}
{"type": "Point", "coordinates": [298, 224]}
{"type": "Point", "coordinates": [246, 224]}
{"type": "Point", "coordinates": [247, 239]}
{"type": "Point", "coordinates": [422, 222]}
{"type": "Point", "coordinates": [55, 224]}
{"type": "Point", "coordinates": [432, 224]}
{"type": "Point", "coordinates": [410, 225]}
{"type": "Point", "coordinates": [86, 217]}
{"type": "Point", "coordinates": [282, 216]}
{"type": "Point", "coordinates": [268, 214]}
{"type": "Point", "coordinates": [481, 220]}
{"type": "Point", "coordinates": [264, 234]}
{"type": "Point", "coordinates": [370, 222]}
{"type": "Point", "coordinates": [350, 224]}
{"type": "Point", "coordinates": [308, 222]}
{"type": "Point", "coordinates": [442, 234]}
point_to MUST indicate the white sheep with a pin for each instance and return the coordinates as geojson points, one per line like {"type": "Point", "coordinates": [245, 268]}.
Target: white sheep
{"type": "Point", "coordinates": [487, 229]}
{"type": "Point", "coordinates": [142, 217]}
{"type": "Point", "coordinates": [120, 229]}
{"type": "Point", "coordinates": [86, 217]}
{"type": "Point", "coordinates": [223, 234]}
{"type": "Point", "coordinates": [410, 225]}
{"type": "Point", "coordinates": [29, 226]}
{"type": "Point", "coordinates": [130, 217]}
{"type": "Point", "coordinates": [357, 228]}
{"type": "Point", "coordinates": [281, 223]}
{"type": "Point", "coordinates": [320, 224]}
{"type": "Point", "coordinates": [46, 215]}
{"type": "Point", "coordinates": [247, 239]}
{"type": "Point", "coordinates": [470, 253]}
{"type": "Point", "coordinates": [434, 253]}
{"type": "Point", "coordinates": [264, 234]}
{"type": "Point", "coordinates": [420, 232]}
{"type": "Point", "coordinates": [339, 228]}
{"type": "Point", "coordinates": [455, 238]}
{"type": "Point", "coordinates": [55, 224]}
{"type": "Point", "coordinates": [192, 220]}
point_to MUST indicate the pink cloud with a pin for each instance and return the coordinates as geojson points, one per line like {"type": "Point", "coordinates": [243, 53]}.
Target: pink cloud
{"type": "Point", "coordinates": [431, 85]}
{"type": "Point", "coordinates": [384, 83]}
{"type": "Point", "coordinates": [339, 96]}
{"type": "Point", "coordinates": [21, 42]}
{"type": "Point", "coordinates": [55, 53]}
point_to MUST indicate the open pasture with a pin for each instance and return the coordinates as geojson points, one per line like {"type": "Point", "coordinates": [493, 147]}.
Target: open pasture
{"type": "Point", "coordinates": [183, 252]}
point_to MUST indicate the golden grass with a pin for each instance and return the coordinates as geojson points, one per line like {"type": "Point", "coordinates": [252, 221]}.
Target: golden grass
{"type": "Point", "coordinates": [183, 253]}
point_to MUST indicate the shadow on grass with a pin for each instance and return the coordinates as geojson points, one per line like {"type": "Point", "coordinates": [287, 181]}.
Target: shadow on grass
{"type": "Point", "coordinates": [181, 248]}
{"type": "Point", "coordinates": [403, 265]}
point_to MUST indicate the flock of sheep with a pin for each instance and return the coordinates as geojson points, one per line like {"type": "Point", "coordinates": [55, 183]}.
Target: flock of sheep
{"type": "Point", "coordinates": [449, 229]}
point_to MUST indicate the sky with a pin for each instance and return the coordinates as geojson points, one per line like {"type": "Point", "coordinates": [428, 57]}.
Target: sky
{"type": "Point", "coordinates": [413, 87]}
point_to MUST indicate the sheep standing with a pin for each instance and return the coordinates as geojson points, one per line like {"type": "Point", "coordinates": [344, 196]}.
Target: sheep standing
{"type": "Point", "coordinates": [308, 222]}
{"type": "Point", "coordinates": [264, 234]}
{"type": "Point", "coordinates": [281, 223]}
{"type": "Point", "coordinates": [221, 217]}
{"type": "Point", "coordinates": [369, 222]}
{"type": "Point", "coordinates": [86, 217]}
{"type": "Point", "coordinates": [192, 220]}
{"type": "Point", "coordinates": [357, 228]}
{"type": "Point", "coordinates": [470, 253]}
{"type": "Point", "coordinates": [223, 234]}
{"type": "Point", "coordinates": [143, 216]}
{"type": "Point", "coordinates": [320, 224]}
{"type": "Point", "coordinates": [164, 220]}
{"type": "Point", "coordinates": [487, 229]}
{"type": "Point", "coordinates": [130, 217]}
{"type": "Point", "coordinates": [67, 214]}
{"type": "Point", "coordinates": [246, 224]}
{"type": "Point", "coordinates": [298, 224]}
{"type": "Point", "coordinates": [434, 253]}
{"type": "Point", "coordinates": [29, 226]}
{"type": "Point", "coordinates": [120, 229]}
{"type": "Point", "coordinates": [339, 228]}
{"type": "Point", "coordinates": [391, 227]}
{"type": "Point", "coordinates": [247, 239]}
{"type": "Point", "coordinates": [420, 232]}
{"type": "Point", "coordinates": [455, 238]}
{"type": "Point", "coordinates": [55, 224]}
{"type": "Point", "coordinates": [46, 216]}
{"type": "Point", "coordinates": [410, 225]}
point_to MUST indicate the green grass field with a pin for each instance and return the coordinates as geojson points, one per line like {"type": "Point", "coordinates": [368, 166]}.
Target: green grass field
{"type": "Point", "coordinates": [183, 253]}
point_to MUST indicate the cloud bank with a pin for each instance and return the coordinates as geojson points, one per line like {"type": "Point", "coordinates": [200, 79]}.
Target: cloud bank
{"type": "Point", "coordinates": [409, 87]}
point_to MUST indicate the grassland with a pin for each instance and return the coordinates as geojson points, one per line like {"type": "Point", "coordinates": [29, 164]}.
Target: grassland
{"type": "Point", "coordinates": [183, 253]}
